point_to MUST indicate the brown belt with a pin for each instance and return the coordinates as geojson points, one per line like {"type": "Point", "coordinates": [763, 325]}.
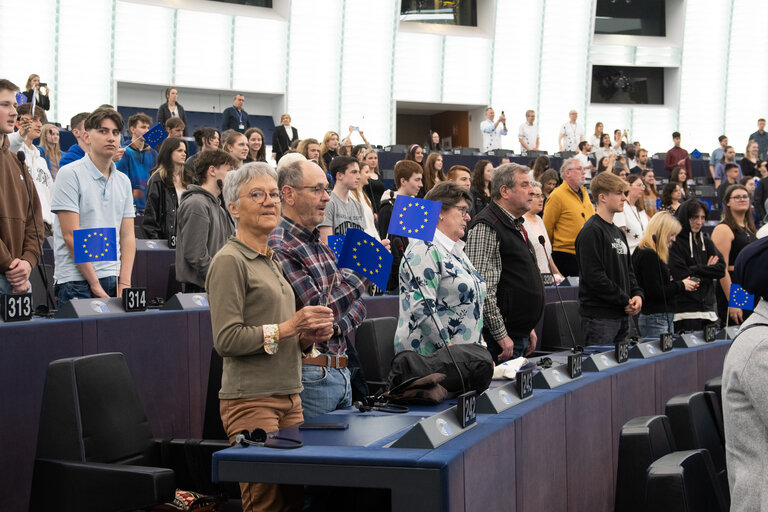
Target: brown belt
{"type": "Point", "coordinates": [326, 360]}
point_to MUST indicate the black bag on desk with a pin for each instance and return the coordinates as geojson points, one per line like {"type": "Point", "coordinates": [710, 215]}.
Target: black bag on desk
{"type": "Point", "coordinates": [473, 361]}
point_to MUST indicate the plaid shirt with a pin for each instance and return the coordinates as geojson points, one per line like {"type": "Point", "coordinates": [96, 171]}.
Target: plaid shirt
{"type": "Point", "coordinates": [309, 265]}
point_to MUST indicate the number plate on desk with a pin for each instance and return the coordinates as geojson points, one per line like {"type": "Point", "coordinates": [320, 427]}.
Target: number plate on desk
{"type": "Point", "coordinates": [667, 341]}
{"type": "Point", "coordinates": [134, 299]}
{"type": "Point", "coordinates": [524, 383]}
{"type": "Point", "coordinates": [16, 308]}
{"type": "Point", "coordinates": [466, 409]}
{"type": "Point", "coordinates": [622, 351]}
{"type": "Point", "coordinates": [710, 332]}
{"type": "Point", "coordinates": [172, 241]}
{"type": "Point", "coordinates": [574, 365]}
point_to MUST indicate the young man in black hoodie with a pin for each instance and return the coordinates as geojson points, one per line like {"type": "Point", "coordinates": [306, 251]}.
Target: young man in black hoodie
{"type": "Point", "coordinates": [608, 290]}
{"type": "Point", "coordinates": [693, 254]}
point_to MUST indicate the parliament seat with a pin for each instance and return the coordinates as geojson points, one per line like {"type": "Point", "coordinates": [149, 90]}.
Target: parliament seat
{"type": "Point", "coordinates": [642, 441]}
{"type": "Point", "coordinates": [684, 481]}
{"type": "Point", "coordinates": [375, 343]}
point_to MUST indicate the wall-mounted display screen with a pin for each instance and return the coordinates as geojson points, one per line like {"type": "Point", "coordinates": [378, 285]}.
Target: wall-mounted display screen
{"type": "Point", "coordinates": [446, 12]}
{"type": "Point", "coordinates": [629, 85]}
{"type": "Point", "coordinates": [631, 17]}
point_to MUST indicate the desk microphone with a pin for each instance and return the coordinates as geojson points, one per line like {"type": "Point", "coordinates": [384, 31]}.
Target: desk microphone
{"type": "Point", "coordinates": [398, 246]}
{"type": "Point", "coordinates": [50, 302]}
{"type": "Point", "coordinates": [661, 277]}
{"type": "Point", "coordinates": [575, 347]}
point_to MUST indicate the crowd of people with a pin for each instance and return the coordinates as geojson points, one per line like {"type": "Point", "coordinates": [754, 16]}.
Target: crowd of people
{"type": "Point", "coordinates": [255, 238]}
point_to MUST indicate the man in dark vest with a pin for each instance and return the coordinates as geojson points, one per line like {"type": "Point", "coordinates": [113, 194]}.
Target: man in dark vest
{"type": "Point", "coordinates": [500, 249]}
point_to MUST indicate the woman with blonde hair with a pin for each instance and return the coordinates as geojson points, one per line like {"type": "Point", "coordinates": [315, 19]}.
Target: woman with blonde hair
{"type": "Point", "coordinates": [633, 220]}
{"type": "Point", "coordinates": [329, 147]}
{"type": "Point", "coordinates": [650, 261]}
{"type": "Point", "coordinates": [236, 144]}
{"type": "Point", "coordinates": [361, 197]}
{"type": "Point", "coordinates": [749, 162]}
{"type": "Point", "coordinates": [49, 147]}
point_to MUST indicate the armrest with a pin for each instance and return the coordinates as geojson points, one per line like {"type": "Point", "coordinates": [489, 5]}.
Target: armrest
{"type": "Point", "coordinates": [83, 486]}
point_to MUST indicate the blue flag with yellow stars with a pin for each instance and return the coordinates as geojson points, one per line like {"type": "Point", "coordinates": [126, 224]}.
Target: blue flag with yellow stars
{"type": "Point", "coordinates": [155, 136]}
{"type": "Point", "coordinates": [96, 244]}
{"type": "Point", "coordinates": [414, 218]}
{"type": "Point", "coordinates": [365, 256]}
{"type": "Point", "coordinates": [696, 154]}
{"type": "Point", "coordinates": [336, 243]}
{"type": "Point", "coordinates": [740, 298]}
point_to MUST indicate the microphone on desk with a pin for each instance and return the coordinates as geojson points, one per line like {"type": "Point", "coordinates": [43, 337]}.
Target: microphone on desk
{"type": "Point", "coordinates": [574, 347]}
{"type": "Point", "coordinates": [397, 245]}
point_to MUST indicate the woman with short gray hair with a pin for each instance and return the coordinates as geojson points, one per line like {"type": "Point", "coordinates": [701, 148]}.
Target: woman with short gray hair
{"type": "Point", "coordinates": [256, 328]}
{"type": "Point", "coordinates": [444, 275]}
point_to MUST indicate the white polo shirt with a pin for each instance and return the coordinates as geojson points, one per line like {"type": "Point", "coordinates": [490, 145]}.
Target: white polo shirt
{"type": "Point", "coordinates": [529, 133]}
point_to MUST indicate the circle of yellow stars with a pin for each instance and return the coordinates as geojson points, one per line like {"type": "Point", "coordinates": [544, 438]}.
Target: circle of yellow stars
{"type": "Point", "coordinates": [376, 267]}
{"type": "Point", "coordinates": [106, 245]}
{"type": "Point", "coordinates": [411, 205]}
{"type": "Point", "coordinates": [735, 296]}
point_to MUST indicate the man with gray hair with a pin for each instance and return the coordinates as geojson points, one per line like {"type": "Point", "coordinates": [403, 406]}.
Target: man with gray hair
{"type": "Point", "coordinates": [500, 249]}
{"type": "Point", "coordinates": [331, 370]}
{"type": "Point", "coordinates": [566, 210]}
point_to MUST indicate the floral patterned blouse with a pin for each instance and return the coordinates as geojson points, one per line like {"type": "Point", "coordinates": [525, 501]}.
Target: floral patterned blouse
{"type": "Point", "coordinates": [454, 289]}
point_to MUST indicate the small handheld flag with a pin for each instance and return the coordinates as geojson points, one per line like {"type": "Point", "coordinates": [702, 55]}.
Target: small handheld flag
{"type": "Point", "coordinates": [414, 218]}
{"type": "Point", "coordinates": [658, 204]}
{"type": "Point", "coordinates": [96, 244]}
{"type": "Point", "coordinates": [696, 154]}
{"type": "Point", "coordinates": [740, 298]}
{"type": "Point", "coordinates": [155, 135]}
{"type": "Point", "coordinates": [21, 98]}
{"type": "Point", "coordinates": [336, 243]}
{"type": "Point", "coordinates": [708, 203]}
{"type": "Point", "coordinates": [366, 256]}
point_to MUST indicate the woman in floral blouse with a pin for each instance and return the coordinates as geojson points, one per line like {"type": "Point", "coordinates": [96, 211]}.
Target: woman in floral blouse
{"type": "Point", "coordinates": [454, 289]}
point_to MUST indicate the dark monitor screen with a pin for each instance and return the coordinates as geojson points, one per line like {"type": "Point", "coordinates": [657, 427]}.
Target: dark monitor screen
{"type": "Point", "coordinates": [631, 17]}
{"type": "Point", "coordinates": [446, 12]}
{"type": "Point", "coordinates": [627, 85]}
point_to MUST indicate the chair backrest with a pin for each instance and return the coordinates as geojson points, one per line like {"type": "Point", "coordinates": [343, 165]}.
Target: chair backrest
{"type": "Point", "coordinates": [684, 481]}
{"type": "Point", "coordinates": [375, 343]}
{"type": "Point", "coordinates": [91, 412]}
{"type": "Point", "coordinates": [641, 441]}
{"type": "Point", "coordinates": [555, 327]}
{"type": "Point", "coordinates": [212, 426]}
{"type": "Point", "coordinates": [695, 426]}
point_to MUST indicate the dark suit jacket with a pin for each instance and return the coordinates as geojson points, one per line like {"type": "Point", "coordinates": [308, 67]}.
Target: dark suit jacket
{"type": "Point", "coordinates": [280, 141]}
{"type": "Point", "coordinates": [44, 103]}
{"type": "Point", "coordinates": [231, 120]}
{"type": "Point", "coordinates": [164, 114]}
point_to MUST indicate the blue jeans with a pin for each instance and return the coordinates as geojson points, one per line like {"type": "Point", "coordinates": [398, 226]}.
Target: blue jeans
{"type": "Point", "coordinates": [325, 389]}
{"type": "Point", "coordinates": [651, 326]}
{"type": "Point", "coordinates": [604, 331]}
{"type": "Point", "coordinates": [521, 345]}
{"type": "Point", "coordinates": [5, 286]}
{"type": "Point", "coordinates": [81, 290]}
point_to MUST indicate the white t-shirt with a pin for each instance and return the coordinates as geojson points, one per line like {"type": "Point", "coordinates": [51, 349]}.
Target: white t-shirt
{"type": "Point", "coordinates": [529, 133]}
{"type": "Point", "coordinates": [491, 135]}
{"type": "Point", "coordinates": [573, 135]}
{"type": "Point", "coordinates": [581, 157]}
{"type": "Point", "coordinates": [38, 168]}
{"type": "Point", "coordinates": [634, 224]}
{"type": "Point", "coordinates": [534, 229]}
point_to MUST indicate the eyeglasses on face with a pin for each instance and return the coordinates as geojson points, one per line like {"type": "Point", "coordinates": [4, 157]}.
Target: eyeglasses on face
{"type": "Point", "coordinates": [740, 198]}
{"type": "Point", "coordinates": [259, 196]}
{"type": "Point", "coordinates": [463, 210]}
{"type": "Point", "coordinates": [318, 190]}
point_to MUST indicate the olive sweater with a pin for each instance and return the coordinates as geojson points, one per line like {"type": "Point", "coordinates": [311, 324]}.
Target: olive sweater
{"type": "Point", "coordinates": [247, 290]}
{"type": "Point", "coordinates": [564, 215]}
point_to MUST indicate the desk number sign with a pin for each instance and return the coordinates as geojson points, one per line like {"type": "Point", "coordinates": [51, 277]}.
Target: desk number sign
{"type": "Point", "coordinates": [524, 383]}
{"type": "Point", "coordinates": [134, 299]}
{"type": "Point", "coordinates": [667, 341]}
{"type": "Point", "coordinates": [622, 351]}
{"type": "Point", "coordinates": [467, 409]}
{"type": "Point", "coordinates": [710, 332]}
{"type": "Point", "coordinates": [16, 308]}
{"type": "Point", "coordinates": [574, 365]}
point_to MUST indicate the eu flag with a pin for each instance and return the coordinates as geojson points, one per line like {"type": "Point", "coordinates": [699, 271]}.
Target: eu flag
{"type": "Point", "coordinates": [336, 243]}
{"type": "Point", "coordinates": [366, 256]}
{"type": "Point", "coordinates": [740, 298]}
{"type": "Point", "coordinates": [97, 244]}
{"type": "Point", "coordinates": [414, 218]}
{"type": "Point", "coordinates": [696, 154]}
{"type": "Point", "coordinates": [155, 136]}
{"type": "Point", "coordinates": [708, 203]}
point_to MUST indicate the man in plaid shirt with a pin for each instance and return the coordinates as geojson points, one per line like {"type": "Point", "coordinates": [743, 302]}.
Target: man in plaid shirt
{"type": "Point", "coordinates": [330, 371]}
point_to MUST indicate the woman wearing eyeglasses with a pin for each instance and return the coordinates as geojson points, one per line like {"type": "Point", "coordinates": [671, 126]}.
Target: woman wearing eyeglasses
{"type": "Point", "coordinates": [734, 233]}
{"type": "Point", "coordinates": [203, 225]}
{"type": "Point", "coordinates": [256, 327]}
{"type": "Point", "coordinates": [536, 228]}
{"type": "Point", "coordinates": [446, 279]}
{"type": "Point", "coordinates": [633, 220]}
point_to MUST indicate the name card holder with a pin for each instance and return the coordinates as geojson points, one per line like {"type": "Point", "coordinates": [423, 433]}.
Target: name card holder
{"type": "Point", "coordinates": [501, 398]}
{"type": "Point", "coordinates": [550, 378]}
{"type": "Point", "coordinates": [608, 359]}
{"type": "Point", "coordinates": [690, 339]}
{"type": "Point", "coordinates": [429, 433]}
{"type": "Point", "coordinates": [134, 299]}
{"type": "Point", "coordinates": [645, 349]}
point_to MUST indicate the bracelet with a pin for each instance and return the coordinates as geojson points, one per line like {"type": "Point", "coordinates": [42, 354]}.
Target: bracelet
{"type": "Point", "coordinates": [271, 335]}
{"type": "Point", "coordinates": [124, 284]}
